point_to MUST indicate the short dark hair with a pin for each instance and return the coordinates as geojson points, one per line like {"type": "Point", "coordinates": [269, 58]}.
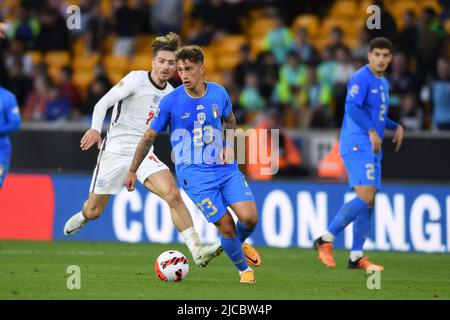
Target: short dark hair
{"type": "Point", "coordinates": [192, 53]}
{"type": "Point", "coordinates": [169, 42]}
{"type": "Point", "coordinates": [380, 43]}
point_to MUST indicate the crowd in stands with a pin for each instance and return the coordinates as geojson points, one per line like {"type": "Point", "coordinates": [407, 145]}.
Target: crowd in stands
{"type": "Point", "coordinates": [295, 65]}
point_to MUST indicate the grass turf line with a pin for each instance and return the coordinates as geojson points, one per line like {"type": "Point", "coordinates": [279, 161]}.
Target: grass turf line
{"type": "Point", "coordinates": [38, 270]}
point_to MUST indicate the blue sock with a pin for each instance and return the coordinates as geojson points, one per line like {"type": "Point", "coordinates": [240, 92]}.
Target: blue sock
{"type": "Point", "coordinates": [233, 248]}
{"type": "Point", "coordinates": [242, 231]}
{"type": "Point", "coordinates": [346, 214]}
{"type": "Point", "coordinates": [361, 227]}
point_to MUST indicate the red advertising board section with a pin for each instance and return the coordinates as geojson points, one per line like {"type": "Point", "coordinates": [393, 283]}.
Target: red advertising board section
{"type": "Point", "coordinates": [27, 207]}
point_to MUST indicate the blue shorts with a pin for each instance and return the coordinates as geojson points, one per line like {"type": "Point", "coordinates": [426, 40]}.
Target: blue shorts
{"type": "Point", "coordinates": [213, 201]}
{"type": "Point", "coordinates": [363, 168]}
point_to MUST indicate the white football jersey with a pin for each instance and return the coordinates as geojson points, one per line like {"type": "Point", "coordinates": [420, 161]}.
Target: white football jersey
{"type": "Point", "coordinates": [132, 114]}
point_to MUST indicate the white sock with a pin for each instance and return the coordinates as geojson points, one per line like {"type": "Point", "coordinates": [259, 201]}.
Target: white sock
{"type": "Point", "coordinates": [192, 240]}
{"type": "Point", "coordinates": [328, 237]}
{"type": "Point", "coordinates": [81, 217]}
{"type": "Point", "coordinates": [355, 255]}
{"type": "Point", "coordinates": [248, 268]}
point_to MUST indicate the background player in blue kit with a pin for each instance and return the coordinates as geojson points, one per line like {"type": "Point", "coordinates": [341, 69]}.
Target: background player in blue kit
{"type": "Point", "coordinates": [365, 119]}
{"type": "Point", "coordinates": [194, 113]}
{"type": "Point", "coordinates": [9, 122]}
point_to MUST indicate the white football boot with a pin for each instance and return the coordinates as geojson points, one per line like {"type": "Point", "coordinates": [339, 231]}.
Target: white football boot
{"type": "Point", "coordinates": [207, 253]}
{"type": "Point", "coordinates": [74, 224]}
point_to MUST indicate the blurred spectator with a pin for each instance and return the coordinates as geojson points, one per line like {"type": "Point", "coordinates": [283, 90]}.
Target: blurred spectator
{"type": "Point", "coordinates": [58, 106]}
{"type": "Point", "coordinates": [245, 65]}
{"type": "Point", "coordinates": [429, 43]}
{"type": "Point", "coordinates": [361, 51]}
{"type": "Point", "coordinates": [407, 38]}
{"type": "Point", "coordinates": [202, 36]}
{"type": "Point", "coordinates": [250, 99]}
{"type": "Point", "coordinates": [411, 115]}
{"type": "Point", "coordinates": [167, 15]}
{"type": "Point", "coordinates": [327, 68]}
{"type": "Point", "coordinates": [279, 40]}
{"type": "Point", "coordinates": [336, 40]}
{"type": "Point", "coordinates": [401, 80]}
{"type": "Point", "coordinates": [124, 27]}
{"type": "Point", "coordinates": [18, 82]}
{"type": "Point", "coordinates": [17, 52]}
{"type": "Point", "coordinates": [388, 27]}
{"type": "Point", "coordinates": [268, 73]}
{"type": "Point", "coordinates": [98, 88]}
{"type": "Point", "coordinates": [288, 159]}
{"type": "Point", "coordinates": [142, 15]}
{"type": "Point", "coordinates": [440, 89]}
{"type": "Point", "coordinates": [97, 29]}
{"type": "Point", "coordinates": [219, 14]}
{"type": "Point", "coordinates": [292, 77]}
{"type": "Point", "coordinates": [343, 70]}
{"type": "Point", "coordinates": [54, 34]}
{"type": "Point", "coordinates": [25, 27]}
{"type": "Point", "coordinates": [315, 102]}
{"type": "Point", "coordinates": [68, 88]}
{"type": "Point", "coordinates": [37, 99]}
{"type": "Point", "coordinates": [303, 47]}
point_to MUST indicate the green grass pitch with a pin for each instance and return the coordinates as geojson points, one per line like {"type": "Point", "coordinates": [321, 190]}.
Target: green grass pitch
{"type": "Point", "coordinates": [38, 270]}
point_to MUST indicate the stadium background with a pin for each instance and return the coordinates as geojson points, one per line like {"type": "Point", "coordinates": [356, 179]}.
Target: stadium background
{"type": "Point", "coordinates": [287, 61]}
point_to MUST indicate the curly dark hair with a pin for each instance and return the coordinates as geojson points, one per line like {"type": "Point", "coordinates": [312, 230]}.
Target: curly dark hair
{"type": "Point", "coordinates": [191, 53]}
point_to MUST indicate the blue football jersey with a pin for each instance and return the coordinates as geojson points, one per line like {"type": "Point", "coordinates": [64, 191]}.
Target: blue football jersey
{"type": "Point", "coordinates": [9, 121]}
{"type": "Point", "coordinates": [195, 128]}
{"type": "Point", "coordinates": [371, 92]}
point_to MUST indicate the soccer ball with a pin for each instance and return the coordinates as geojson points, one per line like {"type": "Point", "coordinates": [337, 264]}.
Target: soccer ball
{"type": "Point", "coordinates": [171, 266]}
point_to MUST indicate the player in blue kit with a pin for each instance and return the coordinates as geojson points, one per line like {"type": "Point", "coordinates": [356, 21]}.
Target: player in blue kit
{"type": "Point", "coordinates": [9, 122]}
{"type": "Point", "coordinates": [365, 119]}
{"type": "Point", "coordinates": [197, 112]}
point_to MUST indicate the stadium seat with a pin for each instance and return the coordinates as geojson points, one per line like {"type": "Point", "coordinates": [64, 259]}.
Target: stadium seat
{"type": "Point", "coordinates": [144, 44]}
{"type": "Point", "coordinates": [214, 77]}
{"type": "Point", "coordinates": [210, 59]}
{"type": "Point", "coordinates": [114, 63]}
{"type": "Point", "coordinates": [35, 56]}
{"type": "Point", "coordinates": [55, 74]}
{"type": "Point", "coordinates": [108, 44]}
{"type": "Point", "coordinates": [329, 23]}
{"type": "Point", "coordinates": [79, 46]}
{"type": "Point", "coordinates": [261, 27]}
{"type": "Point", "coordinates": [82, 79]}
{"type": "Point", "coordinates": [256, 46]}
{"type": "Point", "coordinates": [141, 62]}
{"type": "Point", "coordinates": [85, 62]}
{"type": "Point", "coordinates": [57, 58]}
{"type": "Point", "coordinates": [115, 76]}
{"type": "Point", "coordinates": [227, 62]}
{"type": "Point", "coordinates": [447, 25]}
{"type": "Point", "coordinates": [344, 9]}
{"type": "Point", "coordinates": [308, 21]}
{"type": "Point", "coordinates": [230, 44]}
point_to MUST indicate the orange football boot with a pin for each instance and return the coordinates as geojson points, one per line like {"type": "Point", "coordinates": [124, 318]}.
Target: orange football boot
{"type": "Point", "coordinates": [325, 250]}
{"type": "Point", "coordinates": [365, 264]}
{"type": "Point", "coordinates": [248, 276]}
{"type": "Point", "coordinates": [251, 255]}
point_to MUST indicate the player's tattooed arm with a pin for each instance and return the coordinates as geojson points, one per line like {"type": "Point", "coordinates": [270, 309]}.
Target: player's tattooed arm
{"type": "Point", "coordinates": [143, 148]}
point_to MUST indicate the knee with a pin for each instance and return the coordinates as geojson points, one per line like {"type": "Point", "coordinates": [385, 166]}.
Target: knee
{"type": "Point", "coordinates": [368, 197]}
{"type": "Point", "coordinates": [226, 228]}
{"type": "Point", "coordinates": [172, 197]}
{"type": "Point", "coordinates": [250, 220]}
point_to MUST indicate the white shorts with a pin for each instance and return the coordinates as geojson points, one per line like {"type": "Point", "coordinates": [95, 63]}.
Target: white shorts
{"type": "Point", "coordinates": [111, 170]}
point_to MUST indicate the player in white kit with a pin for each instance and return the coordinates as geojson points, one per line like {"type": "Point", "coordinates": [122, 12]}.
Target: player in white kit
{"type": "Point", "coordinates": [135, 99]}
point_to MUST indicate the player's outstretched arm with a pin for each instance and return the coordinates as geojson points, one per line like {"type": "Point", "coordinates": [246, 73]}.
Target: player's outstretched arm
{"type": "Point", "coordinates": [398, 137]}
{"type": "Point", "coordinates": [139, 155]}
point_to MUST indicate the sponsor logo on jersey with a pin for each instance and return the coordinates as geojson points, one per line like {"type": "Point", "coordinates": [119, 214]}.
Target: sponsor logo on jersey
{"type": "Point", "coordinates": [186, 115]}
{"type": "Point", "coordinates": [200, 107]}
{"type": "Point", "coordinates": [201, 117]}
{"type": "Point", "coordinates": [354, 90]}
